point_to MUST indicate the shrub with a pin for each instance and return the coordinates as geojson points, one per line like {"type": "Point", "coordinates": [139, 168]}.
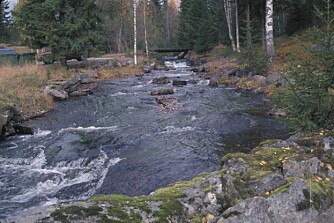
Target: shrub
{"type": "Point", "coordinates": [256, 60]}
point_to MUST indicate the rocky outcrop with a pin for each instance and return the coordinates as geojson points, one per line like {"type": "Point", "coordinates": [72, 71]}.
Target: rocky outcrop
{"type": "Point", "coordinates": [80, 85]}
{"type": "Point", "coordinates": [279, 181]}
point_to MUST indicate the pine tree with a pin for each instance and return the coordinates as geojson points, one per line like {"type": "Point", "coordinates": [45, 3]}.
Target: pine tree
{"type": "Point", "coordinates": [65, 25]}
{"type": "Point", "coordinates": [309, 96]}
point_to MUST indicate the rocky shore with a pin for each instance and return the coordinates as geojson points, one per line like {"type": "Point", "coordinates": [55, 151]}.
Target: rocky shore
{"type": "Point", "coordinates": [278, 181]}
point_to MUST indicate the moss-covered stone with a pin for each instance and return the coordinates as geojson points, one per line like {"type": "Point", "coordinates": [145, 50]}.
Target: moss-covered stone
{"type": "Point", "coordinates": [232, 188]}
{"type": "Point", "coordinates": [75, 212]}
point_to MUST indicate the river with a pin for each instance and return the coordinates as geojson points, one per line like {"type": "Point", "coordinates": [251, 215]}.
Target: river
{"type": "Point", "coordinates": [120, 140]}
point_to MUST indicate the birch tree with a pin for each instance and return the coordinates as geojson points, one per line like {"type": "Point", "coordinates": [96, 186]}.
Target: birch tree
{"type": "Point", "coordinates": [135, 32]}
{"type": "Point", "coordinates": [145, 29]}
{"type": "Point", "coordinates": [269, 24]}
{"type": "Point", "coordinates": [237, 26]}
{"type": "Point", "coordinates": [228, 14]}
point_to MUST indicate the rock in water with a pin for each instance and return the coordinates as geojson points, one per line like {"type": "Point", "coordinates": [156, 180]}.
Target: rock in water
{"type": "Point", "coordinates": [23, 130]}
{"type": "Point", "coordinates": [161, 80]}
{"type": "Point", "coordinates": [162, 91]}
{"type": "Point", "coordinates": [179, 82]}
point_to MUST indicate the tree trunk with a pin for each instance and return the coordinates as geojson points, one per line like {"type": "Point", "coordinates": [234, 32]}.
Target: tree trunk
{"type": "Point", "coordinates": [270, 29]}
{"type": "Point", "coordinates": [263, 29]}
{"type": "Point", "coordinates": [237, 26]}
{"type": "Point", "coordinates": [227, 7]}
{"type": "Point", "coordinates": [145, 29]}
{"type": "Point", "coordinates": [248, 34]}
{"type": "Point", "coordinates": [134, 32]}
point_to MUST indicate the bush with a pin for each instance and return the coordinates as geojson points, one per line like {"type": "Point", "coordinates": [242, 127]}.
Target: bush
{"type": "Point", "coordinates": [256, 60]}
{"type": "Point", "coordinates": [308, 98]}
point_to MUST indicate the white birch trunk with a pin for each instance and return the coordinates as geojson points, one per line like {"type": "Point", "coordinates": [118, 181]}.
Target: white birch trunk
{"type": "Point", "coordinates": [270, 28]}
{"type": "Point", "coordinates": [227, 7]}
{"type": "Point", "coordinates": [237, 26]}
{"type": "Point", "coordinates": [134, 32]}
{"type": "Point", "coordinates": [145, 29]}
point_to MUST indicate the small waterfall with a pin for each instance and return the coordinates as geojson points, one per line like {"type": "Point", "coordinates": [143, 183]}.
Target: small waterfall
{"type": "Point", "coordinates": [176, 64]}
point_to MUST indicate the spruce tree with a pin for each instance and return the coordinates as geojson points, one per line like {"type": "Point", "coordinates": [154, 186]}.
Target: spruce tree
{"type": "Point", "coordinates": [64, 25]}
{"type": "Point", "coordinates": [200, 24]}
{"type": "Point", "coordinates": [308, 97]}
{"type": "Point", "coordinates": [185, 32]}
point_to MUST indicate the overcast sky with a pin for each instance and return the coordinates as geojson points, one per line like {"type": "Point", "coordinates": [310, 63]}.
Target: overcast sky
{"type": "Point", "coordinates": [12, 3]}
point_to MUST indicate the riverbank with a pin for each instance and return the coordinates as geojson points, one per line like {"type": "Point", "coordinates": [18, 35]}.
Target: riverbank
{"type": "Point", "coordinates": [30, 90]}
{"type": "Point", "coordinates": [279, 180]}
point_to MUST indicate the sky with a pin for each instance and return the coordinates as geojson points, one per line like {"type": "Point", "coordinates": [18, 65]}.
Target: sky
{"type": "Point", "coordinates": [12, 3]}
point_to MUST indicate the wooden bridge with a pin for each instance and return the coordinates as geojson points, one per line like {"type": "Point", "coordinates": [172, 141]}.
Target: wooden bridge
{"type": "Point", "coordinates": [181, 52]}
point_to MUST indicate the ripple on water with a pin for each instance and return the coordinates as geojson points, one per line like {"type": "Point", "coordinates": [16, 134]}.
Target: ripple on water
{"type": "Point", "coordinates": [87, 129]}
{"type": "Point", "coordinates": [173, 129]}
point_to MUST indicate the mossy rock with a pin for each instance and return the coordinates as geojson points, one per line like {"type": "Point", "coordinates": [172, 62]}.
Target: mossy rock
{"type": "Point", "coordinates": [75, 213]}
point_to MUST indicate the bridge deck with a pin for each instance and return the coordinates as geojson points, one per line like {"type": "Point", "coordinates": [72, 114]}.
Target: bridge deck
{"type": "Point", "coordinates": [170, 50]}
{"type": "Point", "coordinates": [182, 52]}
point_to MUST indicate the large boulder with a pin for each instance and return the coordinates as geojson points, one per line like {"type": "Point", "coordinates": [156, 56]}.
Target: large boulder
{"type": "Point", "coordinates": [292, 206]}
{"type": "Point", "coordinates": [235, 165]}
{"type": "Point", "coordinates": [295, 168]}
{"type": "Point", "coordinates": [204, 197]}
{"type": "Point", "coordinates": [268, 183]}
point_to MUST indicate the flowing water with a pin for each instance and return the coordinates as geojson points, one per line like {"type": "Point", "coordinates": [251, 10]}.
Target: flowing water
{"type": "Point", "coordinates": [120, 140]}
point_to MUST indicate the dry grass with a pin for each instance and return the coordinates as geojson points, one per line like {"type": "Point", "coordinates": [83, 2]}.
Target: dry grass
{"type": "Point", "coordinates": [286, 48]}
{"type": "Point", "coordinates": [23, 85]}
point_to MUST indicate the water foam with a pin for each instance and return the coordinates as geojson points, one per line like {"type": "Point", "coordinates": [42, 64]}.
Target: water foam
{"type": "Point", "coordinates": [173, 129]}
{"type": "Point", "coordinates": [88, 129]}
{"type": "Point", "coordinates": [23, 163]}
{"type": "Point", "coordinates": [176, 64]}
{"type": "Point", "coordinates": [64, 174]}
